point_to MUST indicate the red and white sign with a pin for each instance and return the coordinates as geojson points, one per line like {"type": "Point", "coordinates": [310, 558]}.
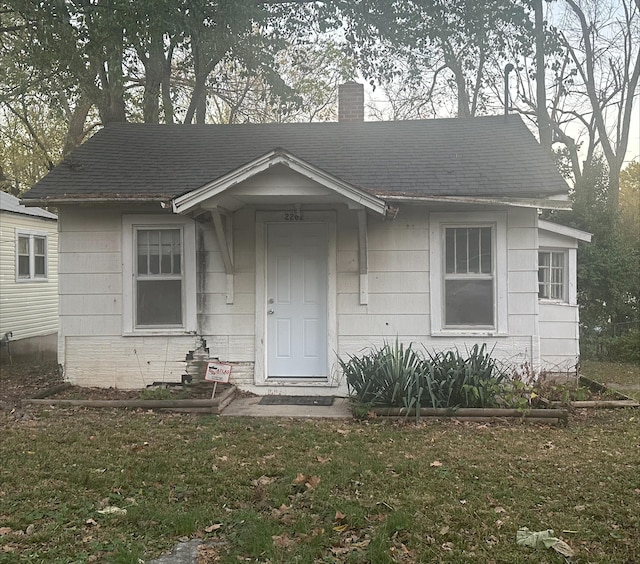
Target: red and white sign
{"type": "Point", "coordinates": [217, 372]}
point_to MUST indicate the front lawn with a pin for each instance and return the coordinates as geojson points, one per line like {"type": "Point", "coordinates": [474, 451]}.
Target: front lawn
{"type": "Point", "coordinates": [624, 377]}
{"type": "Point", "coordinates": [272, 491]}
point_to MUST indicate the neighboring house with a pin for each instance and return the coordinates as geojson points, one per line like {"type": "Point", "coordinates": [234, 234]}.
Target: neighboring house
{"type": "Point", "coordinates": [28, 279]}
{"type": "Point", "coordinates": [279, 248]}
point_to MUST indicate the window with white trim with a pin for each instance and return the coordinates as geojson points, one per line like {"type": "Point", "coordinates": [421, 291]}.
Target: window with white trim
{"type": "Point", "coordinates": [31, 256]}
{"type": "Point", "coordinates": [552, 266]}
{"type": "Point", "coordinates": [159, 262]}
{"type": "Point", "coordinates": [468, 273]}
{"type": "Point", "coordinates": [468, 277]}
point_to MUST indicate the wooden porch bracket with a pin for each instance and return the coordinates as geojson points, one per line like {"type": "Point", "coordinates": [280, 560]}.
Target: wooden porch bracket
{"type": "Point", "coordinates": [363, 256]}
{"type": "Point", "coordinates": [224, 233]}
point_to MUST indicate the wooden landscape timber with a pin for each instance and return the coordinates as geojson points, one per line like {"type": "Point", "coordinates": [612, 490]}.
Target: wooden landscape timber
{"type": "Point", "coordinates": [478, 414]}
{"type": "Point", "coordinates": [211, 406]}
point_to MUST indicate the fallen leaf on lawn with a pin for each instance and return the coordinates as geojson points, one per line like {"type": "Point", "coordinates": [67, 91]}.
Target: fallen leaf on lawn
{"type": "Point", "coordinates": [282, 541]}
{"type": "Point", "coordinates": [341, 528]}
{"type": "Point", "coordinates": [409, 456]}
{"type": "Point", "coordinates": [338, 550]}
{"type": "Point", "coordinates": [444, 530]}
{"type": "Point", "coordinates": [322, 459]}
{"type": "Point", "coordinates": [30, 528]}
{"type": "Point", "coordinates": [436, 463]}
{"type": "Point", "coordinates": [343, 431]}
{"type": "Point", "coordinates": [312, 482]}
{"type": "Point", "coordinates": [499, 509]}
{"type": "Point", "coordinates": [213, 527]}
{"type": "Point", "coordinates": [5, 531]}
{"type": "Point", "coordinates": [299, 479]}
{"type": "Point", "coordinates": [91, 523]}
{"type": "Point", "coordinates": [262, 481]}
{"type": "Point", "coordinates": [223, 458]}
{"type": "Point", "coordinates": [448, 546]}
{"type": "Point", "coordinates": [112, 510]}
{"type": "Point", "coordinates": [580, 507]}
{"type": "Point", "coordinates": [340, 516]}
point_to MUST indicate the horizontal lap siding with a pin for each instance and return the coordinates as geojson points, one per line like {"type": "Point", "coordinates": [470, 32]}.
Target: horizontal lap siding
{"type": "Point", "coordinates": [27, 309]}
{"type": "Point", "coordinates": [90, 273]}
{"type": "Point", "coordinates": [522, 305]}
{"type": "Point", "coordinates": [559, 343]}
{"type": "Point", "coordinates": [398, 278]}
{"type": "Point", "coordinates": [399, 286]}
{"type": "Point", "coordinates": [229, 329]}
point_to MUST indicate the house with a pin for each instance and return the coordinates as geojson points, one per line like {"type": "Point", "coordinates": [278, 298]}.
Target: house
{"type": "Point", "coordinates": [28, 279]}
{"type": "Point", "coordinates": [278, 248]}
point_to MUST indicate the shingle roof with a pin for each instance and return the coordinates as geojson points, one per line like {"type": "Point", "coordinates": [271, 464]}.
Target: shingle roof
{"type": "Point", "coordinates": [9, 203]}
{"type": "Point", "coordinates": [486, 156]}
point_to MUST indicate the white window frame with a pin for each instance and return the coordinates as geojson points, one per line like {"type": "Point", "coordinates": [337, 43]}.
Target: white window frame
{"type": "Point", "coordinates": [565, 274]}
{"type": "Point", "coordinates": [438, 223]}
{"type": "Point", "coordinates": [130, 225]}
{"type": "Point", "coordinates": [31, 235]}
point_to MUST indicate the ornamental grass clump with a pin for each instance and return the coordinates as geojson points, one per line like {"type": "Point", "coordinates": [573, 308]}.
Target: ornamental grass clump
{"type": "Point", "coordinates": [398, 376]}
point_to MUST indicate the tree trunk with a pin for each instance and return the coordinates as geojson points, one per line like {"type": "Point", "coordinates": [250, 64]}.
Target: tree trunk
{"type": "Point", "coordinates": [75, 131]}
{"type": "Point", "coordinates": [544, 125]}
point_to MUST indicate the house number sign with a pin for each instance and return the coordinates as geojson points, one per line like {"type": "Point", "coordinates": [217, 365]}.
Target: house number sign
{"type": "Point", "coordinates": [293, 216]}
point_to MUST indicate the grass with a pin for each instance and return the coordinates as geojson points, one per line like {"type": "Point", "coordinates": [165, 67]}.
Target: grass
{"type": "Point", "coordinates": [622, 377]}
{"type": "Point", "coordinates": [279, 491]}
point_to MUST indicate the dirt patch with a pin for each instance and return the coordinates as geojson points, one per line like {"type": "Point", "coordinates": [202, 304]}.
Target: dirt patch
{"type": "Point", "coordinates": [19, 381]}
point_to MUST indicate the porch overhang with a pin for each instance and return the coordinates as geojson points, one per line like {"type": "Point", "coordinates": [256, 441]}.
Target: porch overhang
{"type": "Point", "coordinates": [202, 198]}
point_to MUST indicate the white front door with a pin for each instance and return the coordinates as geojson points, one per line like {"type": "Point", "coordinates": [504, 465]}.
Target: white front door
{"type": "Point", "coordinates": [296, 266]}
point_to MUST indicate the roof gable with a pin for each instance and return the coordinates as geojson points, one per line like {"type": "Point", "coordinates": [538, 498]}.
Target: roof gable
{"type": "Point", "coordinates": [188, 202]}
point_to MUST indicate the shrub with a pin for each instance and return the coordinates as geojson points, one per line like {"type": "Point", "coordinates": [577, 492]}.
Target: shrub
{"type": "Point", "coordinates": [398, 376]}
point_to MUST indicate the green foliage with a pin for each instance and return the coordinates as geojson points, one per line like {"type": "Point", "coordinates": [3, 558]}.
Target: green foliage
{"type": "Point", "coordinates": [398, 376]}
{"type": "Point", "coordinates": [608, 267]}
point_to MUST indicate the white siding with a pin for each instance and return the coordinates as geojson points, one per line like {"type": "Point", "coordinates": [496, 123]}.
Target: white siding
{"type": "Point", "coordinates": [27, 308]}
{"type": "Point", "coordinates": [559, 345]}
{"type": "Point", "coordinates": [95, 352]}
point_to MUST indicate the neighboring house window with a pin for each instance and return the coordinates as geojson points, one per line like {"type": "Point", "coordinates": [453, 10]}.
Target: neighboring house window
{"type": "Point", "coordinates": [159, 259]}
{"type": "Point", "coordinates": [468, 273]}
{"type": "Point", "coordinates": [31, 261]}
{"type": "Point", "coordinates": [551, 275]}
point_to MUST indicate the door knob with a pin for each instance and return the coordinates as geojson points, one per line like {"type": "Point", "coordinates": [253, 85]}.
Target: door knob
{"type": "Point", "coordinates": [270, 312]}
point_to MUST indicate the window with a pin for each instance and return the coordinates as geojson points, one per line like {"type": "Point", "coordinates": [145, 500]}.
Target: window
{"type": "Point", "coordinates": [468, 273]}
{"type": "Point", "coordinates": [159, 261]}
{"type": "Point", "coordinates": [159, 277]}
{"type": "Point", "coordinates": [551, 275]}
{"type": "Point", "coordinates": [31, 256]}
{"type": "Point", "coordinates": [468, 276]}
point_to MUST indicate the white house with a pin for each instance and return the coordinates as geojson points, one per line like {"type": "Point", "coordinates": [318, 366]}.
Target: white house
{"type": "Point", "coordinates": [28, 279]}
{"type": "Point", "coordinates": [279, 248]}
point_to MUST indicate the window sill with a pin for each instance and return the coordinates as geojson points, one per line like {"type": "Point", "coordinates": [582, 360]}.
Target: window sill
{"type": "Point", "coordinates": [159, 332]}
{"type": "Point", "coordinates": [31, 280]}
{"type": "Point", "coordinates": [468, 333]}
{"type": "Point", "coordinates": [549, 301]}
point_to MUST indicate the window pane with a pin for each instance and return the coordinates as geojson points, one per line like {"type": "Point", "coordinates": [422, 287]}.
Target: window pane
{"type": "Point", "coordinates": [159, 251]}
{"type": "Point", "coordinates": [23, 246]}
{"type": "Point", "coordinates": [474, 250]}
{"type": "Point", "coordinates": [486, 252]}
{"type": "Point", "coordinates": [461, 251]}
{"type": "Point", "coordinates": [23, 266]}
{"type": "Point", "coordinates": [159, 302]}
{"type": "Point", "coordinates": [40, 267]}
{"type": "Point", "coordinates": [469, 302]}
{"type": "Point", "coordinates": [450, 250]}
{"type": "Point", "coordinates": [39, 244]}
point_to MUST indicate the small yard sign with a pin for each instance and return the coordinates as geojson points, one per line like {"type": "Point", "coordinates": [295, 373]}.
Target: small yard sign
{"type": "Point", "coordinates": [217, 372]}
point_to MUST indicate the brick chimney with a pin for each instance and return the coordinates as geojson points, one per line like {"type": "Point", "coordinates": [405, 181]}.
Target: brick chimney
{"type": "Point", "coordinates": [351, 102]}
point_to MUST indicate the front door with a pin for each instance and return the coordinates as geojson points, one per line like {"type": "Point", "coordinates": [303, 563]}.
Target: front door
{"type": "Point", "coordinates": [297, 300]}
